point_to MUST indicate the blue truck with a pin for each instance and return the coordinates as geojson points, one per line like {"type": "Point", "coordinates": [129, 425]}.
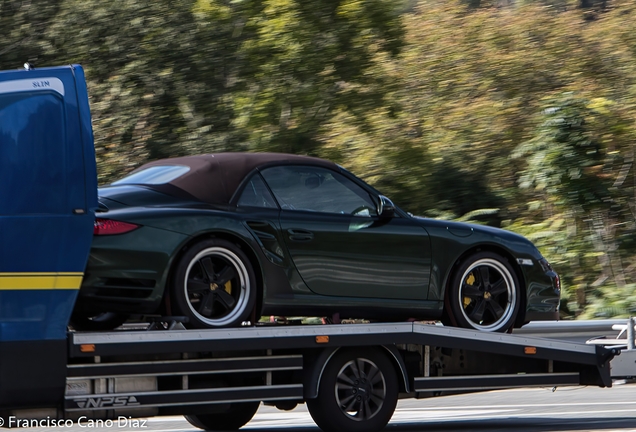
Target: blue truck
{"type": "Point", "coordinates": [47, 207]}
{"type": "Point", "coordinates": [216, 378]}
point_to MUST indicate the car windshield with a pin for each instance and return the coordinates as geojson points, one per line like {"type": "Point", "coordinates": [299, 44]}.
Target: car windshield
{"type": "Point", "coordinates": [154, 175]}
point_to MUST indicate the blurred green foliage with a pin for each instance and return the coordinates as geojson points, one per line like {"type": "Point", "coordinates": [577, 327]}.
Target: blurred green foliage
{"type": "Point", "coordinates": [515, 113]}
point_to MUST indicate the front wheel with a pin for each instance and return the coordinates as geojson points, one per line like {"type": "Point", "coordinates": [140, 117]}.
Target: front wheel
{"type": "Point", "coordinates": [484, 293]}
{"type": "Point", "coordinates": [358, 392]}
{"type": "Point", "coordinates": [214, 285]}
{"type": "Point", "coordinates": [238, 415]}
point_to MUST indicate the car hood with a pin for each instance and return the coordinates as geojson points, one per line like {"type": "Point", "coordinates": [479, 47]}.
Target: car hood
{"type": "Point", "coordinates": [512, 240]}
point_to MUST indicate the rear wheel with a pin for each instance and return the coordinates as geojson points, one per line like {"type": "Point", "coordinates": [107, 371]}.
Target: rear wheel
{"type": "Point", "coordinates": [238, 415]}
{"type": "Point", "coordinates": [484, 293]}
{"type": "Point", "coordinates": [214, 285]}
{"type": "Point", "coordinates": [358, 392]}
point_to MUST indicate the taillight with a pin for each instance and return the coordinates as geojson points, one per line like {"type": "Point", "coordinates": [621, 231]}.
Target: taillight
{"type": "Point", "coordinates": [112, 227]}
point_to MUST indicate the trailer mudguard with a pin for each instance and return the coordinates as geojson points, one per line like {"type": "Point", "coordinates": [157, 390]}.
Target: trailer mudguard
{"type": "Point", "coordinates": [316, 360]}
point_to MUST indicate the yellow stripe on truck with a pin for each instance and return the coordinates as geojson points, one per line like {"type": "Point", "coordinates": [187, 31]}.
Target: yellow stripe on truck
{"type": "Point", "coordinates": [38, 281]}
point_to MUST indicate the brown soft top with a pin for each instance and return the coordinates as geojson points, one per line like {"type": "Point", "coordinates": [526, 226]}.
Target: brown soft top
{"type": "Point", "coordinates": [214, 178]}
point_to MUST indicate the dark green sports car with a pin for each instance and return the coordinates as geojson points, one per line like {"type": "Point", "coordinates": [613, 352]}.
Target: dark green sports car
{"type": "Point", "coordinates": [225, 238]}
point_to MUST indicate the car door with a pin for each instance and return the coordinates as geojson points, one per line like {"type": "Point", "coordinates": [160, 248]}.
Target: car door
{"type": "Point", "coordinates": [261, 214]}
{"type": "Point", "coordinates": [338, 243]}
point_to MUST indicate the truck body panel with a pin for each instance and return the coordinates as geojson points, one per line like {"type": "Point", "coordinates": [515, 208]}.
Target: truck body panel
{"type": "Point", "coordinates": [47, 208]}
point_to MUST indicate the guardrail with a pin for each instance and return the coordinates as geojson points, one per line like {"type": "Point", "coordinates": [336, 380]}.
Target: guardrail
{"type": "Point", "coordinates": [575, 331]}
{"type": "Point", "coordinates": [595, 332]}
{"type": "Point", "coordinates": [627, 342]}
{"type": "Point", "coordinates": [630, 334]}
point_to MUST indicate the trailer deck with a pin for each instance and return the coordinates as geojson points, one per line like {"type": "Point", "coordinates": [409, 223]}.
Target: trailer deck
{"type": "Point", "coordinates": [166, 372]}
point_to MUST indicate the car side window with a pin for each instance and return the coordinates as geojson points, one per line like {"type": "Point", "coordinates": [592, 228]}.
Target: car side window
{"type": "Point", "coordinates": [318, 189]}
{"type": "Point", "coordinates": [255, 194]}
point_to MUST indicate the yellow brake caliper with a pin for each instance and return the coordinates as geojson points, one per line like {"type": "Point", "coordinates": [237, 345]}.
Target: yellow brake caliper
{"type": "Point", "coordinates": [469, 280]}
{"type": "Point", "coordinates": [228, 287]}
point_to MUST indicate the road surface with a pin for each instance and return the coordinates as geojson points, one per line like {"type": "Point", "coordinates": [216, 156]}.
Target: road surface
{"type": "Point", "coordinates": [540, 409]}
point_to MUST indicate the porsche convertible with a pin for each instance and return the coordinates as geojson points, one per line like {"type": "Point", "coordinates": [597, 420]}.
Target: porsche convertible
{"type": "Point", "coordinates": [226, 238]}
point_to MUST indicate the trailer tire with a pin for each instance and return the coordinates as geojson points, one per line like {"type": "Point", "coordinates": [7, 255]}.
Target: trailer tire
{"type": "Point", "coordinates": [484, 293]}
{"type": "Point", "coordinates": [358, 392]}
{"type": "Point", "coordinates": [100, 321]}
{"type": "Point", "coordinates": [214, 285]}
{"type": "Point", "coordinates": [237, 416]}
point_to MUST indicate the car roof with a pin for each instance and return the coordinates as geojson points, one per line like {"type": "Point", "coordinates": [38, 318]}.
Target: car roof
{"type": "Point", "coordinates": [214, 178]}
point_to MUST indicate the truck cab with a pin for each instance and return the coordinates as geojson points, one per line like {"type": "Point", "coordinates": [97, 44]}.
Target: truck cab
{"type": "Point", "coordinates": [48, 197]}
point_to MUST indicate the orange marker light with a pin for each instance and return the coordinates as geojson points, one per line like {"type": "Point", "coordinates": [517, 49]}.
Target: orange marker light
{"type": "Point", "coordinates": [87, 348]}
{"type": "Point", "coordinates": [530, 350]}
{"type": "Point", "coordinates": [322, 339]}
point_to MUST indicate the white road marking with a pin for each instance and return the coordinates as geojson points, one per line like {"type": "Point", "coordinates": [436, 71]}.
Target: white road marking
{"type": "Point", "coordinates": [544, 409]}
{"type": "Point", "coordinates": [550, 405]}
{"type": "Point", "coordinates": [300, 417]}
{"type": "Point", "coordinates": [303, 419]}
{"type": "Point", "coordinates": [453, 414]}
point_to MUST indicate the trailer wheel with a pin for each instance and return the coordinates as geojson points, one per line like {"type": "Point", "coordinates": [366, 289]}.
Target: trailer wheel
{"type": "Point", "coordinates": [237, 416]}
{"type": "Point", "coordinates": [485, 293]}
{"type": "Point", "coordinates": [358, 392]}
{"type": "Point", "coordinates": [214, 285]}
{"type": "Point", "coordinates": [101, 321]}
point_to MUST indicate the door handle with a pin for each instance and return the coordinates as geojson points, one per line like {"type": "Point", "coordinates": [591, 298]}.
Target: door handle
{"type": "Point", "coordinates": [300, 235]}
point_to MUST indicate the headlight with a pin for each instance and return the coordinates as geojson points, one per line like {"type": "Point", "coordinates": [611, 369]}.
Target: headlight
{"type": "Point", "coordinates": [545, 265]}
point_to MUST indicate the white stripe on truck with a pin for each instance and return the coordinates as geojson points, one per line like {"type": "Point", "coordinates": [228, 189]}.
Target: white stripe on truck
{"type": "Point", "coordinates": [34, 84]}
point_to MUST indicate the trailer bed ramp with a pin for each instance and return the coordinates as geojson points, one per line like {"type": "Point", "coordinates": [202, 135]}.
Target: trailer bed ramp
{"type": "Point", "coordinates": [308, 336]}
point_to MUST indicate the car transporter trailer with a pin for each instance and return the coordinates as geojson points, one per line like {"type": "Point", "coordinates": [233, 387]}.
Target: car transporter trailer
{"type": "Point", "coordinates": [350, 375]}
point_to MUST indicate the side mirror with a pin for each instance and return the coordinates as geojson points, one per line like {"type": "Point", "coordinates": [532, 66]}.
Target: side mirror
{"type": "Point", "coordinates": [386, 208]}
{"type": "Point", "coordinates": [314, 180]}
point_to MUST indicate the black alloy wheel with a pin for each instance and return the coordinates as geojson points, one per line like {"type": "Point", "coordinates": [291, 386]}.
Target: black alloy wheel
{"type": "Point", "coordinates": [485, 293]}
{"type": "Point", "coordinates": [214, 285]}
{"type": "Point", "coordinates": [237, 415]}
{"type": "Point", "coordinates": [358, 392]}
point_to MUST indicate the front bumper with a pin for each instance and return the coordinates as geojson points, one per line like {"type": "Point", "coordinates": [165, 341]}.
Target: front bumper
{"type": "Point", "coordinates": [543, 291]}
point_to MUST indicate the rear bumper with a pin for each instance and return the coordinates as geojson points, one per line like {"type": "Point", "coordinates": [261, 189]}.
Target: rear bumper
{"type": "Point", "coordinates": [128, 272]}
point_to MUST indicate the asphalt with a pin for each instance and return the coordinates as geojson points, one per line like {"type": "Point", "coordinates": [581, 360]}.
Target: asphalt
{"type": "Point", "coordinates": [526, 410]}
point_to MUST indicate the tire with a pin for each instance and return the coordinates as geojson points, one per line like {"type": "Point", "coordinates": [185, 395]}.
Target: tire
{"type": "Point", "coordinates": [101, 321]}
{"type": "Point", "coordinates": [484, 293]}
{"type": "Point", "coordinates": [237, 416]}
{"type": "Point", "coordinates": [347, 400]}
{"type": "Point", "coordinates": [214, 285]}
